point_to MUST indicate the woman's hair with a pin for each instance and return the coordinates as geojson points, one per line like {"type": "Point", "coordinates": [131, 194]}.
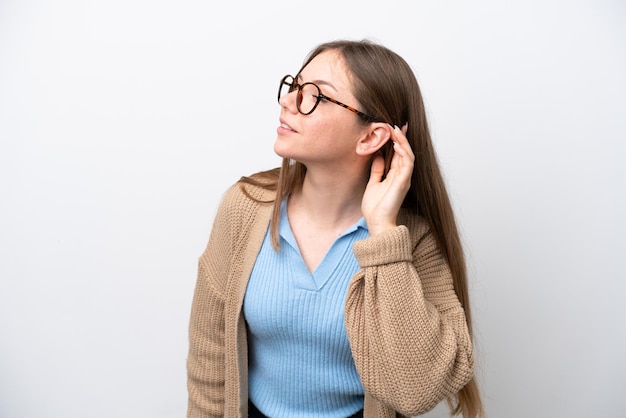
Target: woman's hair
{"type": "Point", "coordinates": [386, 88]}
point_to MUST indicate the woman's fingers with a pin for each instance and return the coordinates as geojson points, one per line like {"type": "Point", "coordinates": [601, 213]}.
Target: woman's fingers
{"type": "Point", "coordinates": [383, 197]}
{"type": "Point", "coordinates": [377, 170]}
{"type": "Point", "coordinates": [403, 155]}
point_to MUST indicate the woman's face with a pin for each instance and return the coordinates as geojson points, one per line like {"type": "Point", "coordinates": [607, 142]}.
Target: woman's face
{"type": "Point", "coordinates": [329, 134]}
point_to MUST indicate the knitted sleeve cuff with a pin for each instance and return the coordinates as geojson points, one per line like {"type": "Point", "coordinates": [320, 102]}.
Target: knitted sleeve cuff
{"type": "Point", "coordinates": [391, 246]}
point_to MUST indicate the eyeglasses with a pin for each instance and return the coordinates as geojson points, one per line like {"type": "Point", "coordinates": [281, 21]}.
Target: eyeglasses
{"type": "Point", "coordinates": [309, 96]}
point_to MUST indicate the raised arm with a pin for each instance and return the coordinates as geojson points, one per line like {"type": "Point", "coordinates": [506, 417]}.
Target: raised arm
{"type": "Point", "coordinates": [407, 329]}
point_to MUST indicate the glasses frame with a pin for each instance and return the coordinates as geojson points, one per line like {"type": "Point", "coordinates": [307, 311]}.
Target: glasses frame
{"type": "Point", "coordinates": [293, 86]}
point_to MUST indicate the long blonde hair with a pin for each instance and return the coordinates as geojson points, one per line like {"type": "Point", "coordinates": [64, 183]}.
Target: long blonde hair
{"type": "Point", "coordinates": [386, 88]}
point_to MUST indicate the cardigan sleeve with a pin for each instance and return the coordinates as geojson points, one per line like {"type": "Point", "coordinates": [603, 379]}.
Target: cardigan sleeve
{"type": "Point", "coordinates": [205, 361]}
{"type": "Point", "coordinates": [406, 326]}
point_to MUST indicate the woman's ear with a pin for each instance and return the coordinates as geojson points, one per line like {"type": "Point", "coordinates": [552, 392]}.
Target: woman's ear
{"type": "Point", "coordinates": [377, 135]}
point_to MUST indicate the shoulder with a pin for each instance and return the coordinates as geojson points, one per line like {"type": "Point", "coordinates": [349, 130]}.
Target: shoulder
{"type": "Point", "coordinates": [260, 186]}
{"type": "Point", "coordinates": [248, 194]}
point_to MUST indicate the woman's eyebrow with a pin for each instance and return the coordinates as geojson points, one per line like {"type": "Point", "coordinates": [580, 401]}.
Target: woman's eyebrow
{"type": "Point", "coordinates": [325, 83]}
{"type": "Point", "coordinates": [318, 82]}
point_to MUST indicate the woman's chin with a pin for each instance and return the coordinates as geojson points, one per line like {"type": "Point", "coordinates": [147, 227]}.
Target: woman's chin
{"type": "Point", "coordinates": [281, 149]}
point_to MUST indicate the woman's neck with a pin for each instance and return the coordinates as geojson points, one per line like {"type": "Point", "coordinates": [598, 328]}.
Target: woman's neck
{"type": "Point", "coordinates": [329, 200]}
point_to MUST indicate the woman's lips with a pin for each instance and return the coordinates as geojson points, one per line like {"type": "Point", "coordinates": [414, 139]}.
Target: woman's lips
{"type": "Point", "coordinates": [285, 127]}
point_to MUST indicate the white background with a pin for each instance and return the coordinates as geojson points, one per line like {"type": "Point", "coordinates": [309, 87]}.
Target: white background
{"type": "Point", "coordinates": [123, 121]}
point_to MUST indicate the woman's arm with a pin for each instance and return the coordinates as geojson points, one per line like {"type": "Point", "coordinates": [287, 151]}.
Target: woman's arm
{"type": "Point", "coordinates": [407, 329]}
{"type": "Point", "coordinates": [205, 362]}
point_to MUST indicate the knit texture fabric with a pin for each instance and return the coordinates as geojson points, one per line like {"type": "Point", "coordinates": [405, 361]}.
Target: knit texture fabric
{"type": "Point", "coordinates": [407, 330]}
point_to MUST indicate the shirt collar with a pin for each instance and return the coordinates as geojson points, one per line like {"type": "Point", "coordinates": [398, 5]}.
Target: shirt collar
{"type": "Point", "coordinates": [284, 229]}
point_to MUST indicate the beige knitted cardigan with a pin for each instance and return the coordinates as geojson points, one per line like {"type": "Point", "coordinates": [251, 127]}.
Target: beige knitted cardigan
{"type": "Point", "coordinates": [406, 327]}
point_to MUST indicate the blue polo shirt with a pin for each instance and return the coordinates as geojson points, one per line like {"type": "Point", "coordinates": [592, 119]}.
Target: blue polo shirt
{"type": "Point", "coordinates": [300, 363]}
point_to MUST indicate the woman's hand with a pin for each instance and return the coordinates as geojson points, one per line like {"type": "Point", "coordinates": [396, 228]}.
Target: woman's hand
{"type": "Point", "coordinates": [383, 198]}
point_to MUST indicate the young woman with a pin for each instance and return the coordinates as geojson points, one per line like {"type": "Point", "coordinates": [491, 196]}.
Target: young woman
{"type": "Point", "coordinates": [335, 286]}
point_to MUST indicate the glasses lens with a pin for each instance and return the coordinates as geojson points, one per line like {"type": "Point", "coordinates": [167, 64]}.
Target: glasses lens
{"type": "Point", "coordinates": [308, 98]}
